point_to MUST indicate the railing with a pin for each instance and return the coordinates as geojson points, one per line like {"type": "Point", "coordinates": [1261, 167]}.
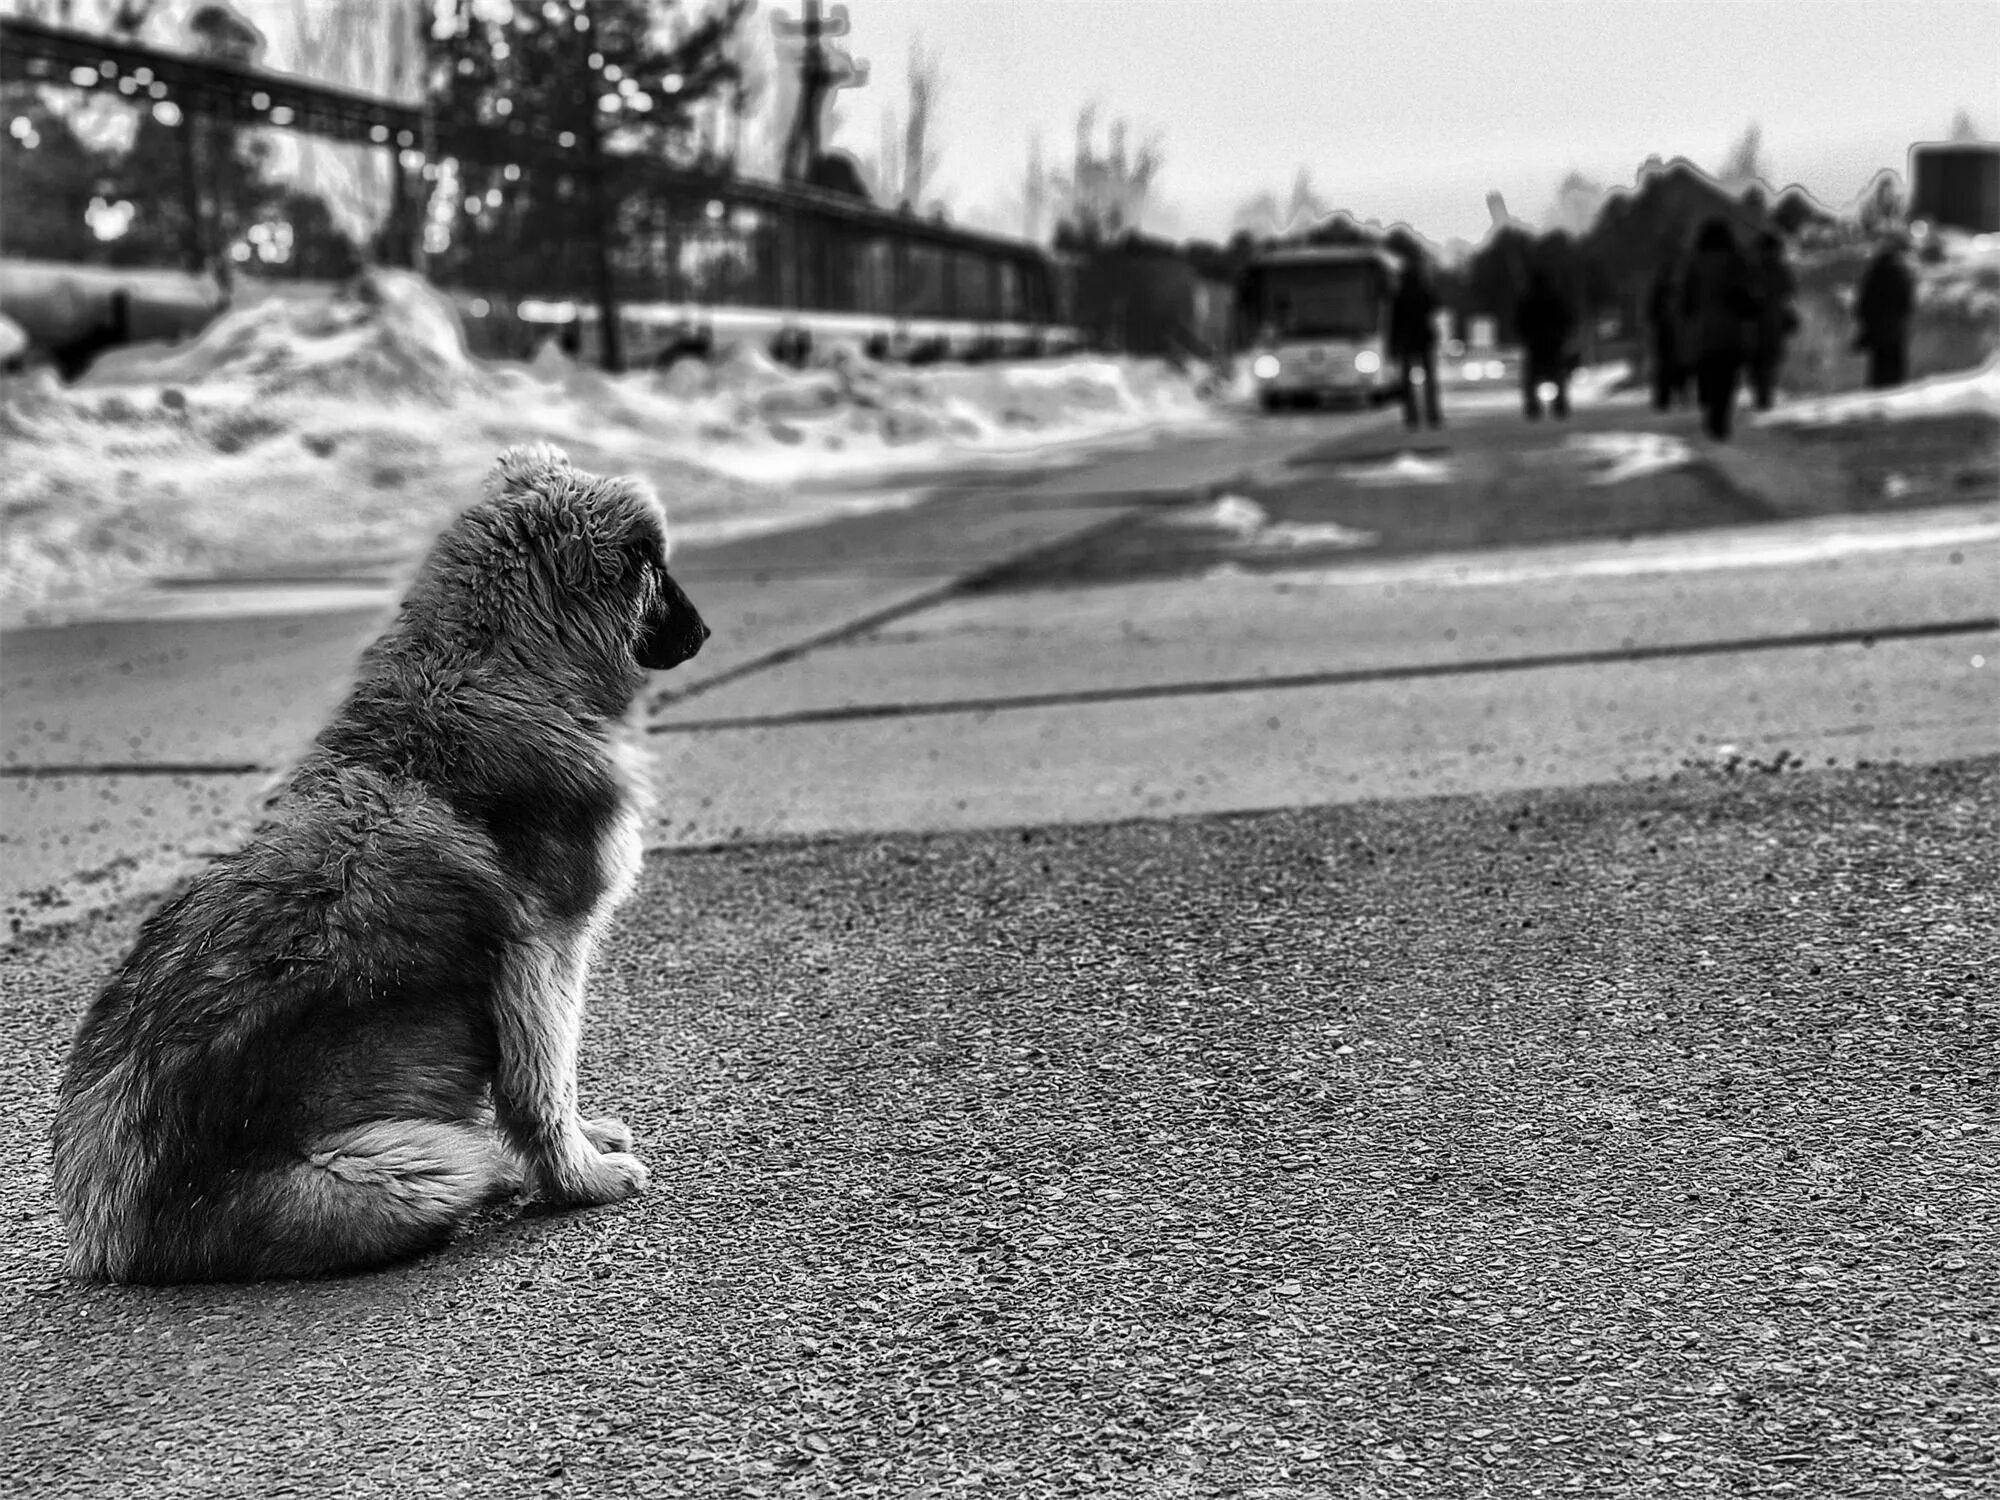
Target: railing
{"type": "Point", "coordinates": [635, 230]}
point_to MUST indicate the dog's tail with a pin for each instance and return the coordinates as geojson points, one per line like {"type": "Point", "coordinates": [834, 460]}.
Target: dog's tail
{"type": "Point", "coordinates": [362, 1197]}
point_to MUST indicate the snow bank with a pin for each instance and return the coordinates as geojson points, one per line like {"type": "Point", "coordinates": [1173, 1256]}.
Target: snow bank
{"type": "Point", "coordinates": [1941, 395]}
{"type": "Point", "coordinates": [1250, 525]}
{"type": "Point", "coordinates": [304, 434]}
{"type": "Point", "coordinates": [1404, 468]}
{"type": "Point", "coordinates": [1629, 455]}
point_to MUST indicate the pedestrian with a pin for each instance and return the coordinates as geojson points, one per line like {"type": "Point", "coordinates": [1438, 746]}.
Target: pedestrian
{"type": "Point", "coordinates": [1669, 373]}
{"type": "Point", "coordinates": [1413, 337]}
{"type": "Point", "coordinates": [1777, 316]}
{"type": "Point", "coordinates": [1883, 302]}
{"type": "Point", "coordinates": [1546, 325]}
{"type": "Point", "coordinates": [1719, 312]}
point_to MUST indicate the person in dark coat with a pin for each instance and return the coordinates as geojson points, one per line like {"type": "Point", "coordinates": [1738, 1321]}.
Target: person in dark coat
{"type": "Point", "coordinates": [1777, 316]}
{"type": "Point", "coordinates": [1546, 325]}
{"type": "Point", "coordinates": [1883, 303]}
{"type": "Point", "coordinates": [1413, 338]}
{"type": "Point", "coordinates": [1669, 370]}
{"type": "Point", "coordinates": [1719, 312]}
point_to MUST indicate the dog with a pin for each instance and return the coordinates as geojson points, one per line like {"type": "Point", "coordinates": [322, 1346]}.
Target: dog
{"type": "Point", "coordinates": [339, 1042]}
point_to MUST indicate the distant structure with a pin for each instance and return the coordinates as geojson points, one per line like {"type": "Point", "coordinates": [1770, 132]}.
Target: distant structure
{"type": "Point", "coordinates": [838, 172]}
{"type": "Point", "coordinates": [1956, 184]}
{"type": "Point", "coordinates": [821, 70]}
{"type": "Point", "coordinates": [1497, 207]}
{"type": "Point", "coordinates": [221, 32]}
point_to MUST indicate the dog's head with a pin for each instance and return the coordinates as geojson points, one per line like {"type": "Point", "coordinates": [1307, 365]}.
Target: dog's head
{"type": "Point", "coordinates": [565, 572]}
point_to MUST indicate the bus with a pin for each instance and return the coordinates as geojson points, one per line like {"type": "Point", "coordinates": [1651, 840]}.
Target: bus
{"type": "Point", "coordinates": [1318, 323]}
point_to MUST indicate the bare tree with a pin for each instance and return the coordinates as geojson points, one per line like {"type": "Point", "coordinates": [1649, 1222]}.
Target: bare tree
{"type": "Point", "coordinates": [1265, 213]}
{"type": "Point", "coordinates": [1577, 201]}
{"type": "Point", "coordinates": [1034, 189]}
{"type": "Point", "coordinates": [1883, 207]}
{"type": "Point", "coordinates": [920, 144]}
{"type": "Point", "coordinates": [1105, 192]}
{"type": "Point", "coordinates": [885, 164]}
{"type": "Point", "coordinates": [1746, 162]}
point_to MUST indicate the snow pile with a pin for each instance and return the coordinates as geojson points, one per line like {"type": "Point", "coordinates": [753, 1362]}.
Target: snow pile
{"type": "Point", "coordinates": [1966, 281]}
{"type": "Point", "coordinates": [1250, 525]}
{"type": "Point", "coordinates": [1594, 383]}
{"type": "Point", "coordinates": [1240, 517]}
{"type": "Point", "coordinates": [386, 333]}
{"type": "Point", "coordinates": [1629, 455]}
{"type": "Point", "coordinates": [1942, 395]}
{"type": "Point", "coordinates": [305, 434]}
{"type": "Point", "coordinates": [1404, 468]}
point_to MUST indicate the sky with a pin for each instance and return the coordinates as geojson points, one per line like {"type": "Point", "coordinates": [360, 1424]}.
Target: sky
{"type": "Point", "coordinates": [1414, 110]}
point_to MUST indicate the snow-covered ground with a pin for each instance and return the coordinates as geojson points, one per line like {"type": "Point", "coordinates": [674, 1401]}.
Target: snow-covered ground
{"type": "Point", "coordinates": [1941, 395]}
{"type": "Point", "coordinates": [298, 436]}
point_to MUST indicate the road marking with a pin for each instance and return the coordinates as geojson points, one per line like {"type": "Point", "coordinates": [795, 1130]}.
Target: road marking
{"type": "Point", "coordinates": [221, 601]}
{"type": "Point", "coordinates": [45, 771]}
{"type": "Point", "coordinates": [889, 614]}
{"type": "Point", "coordinates": [1333, 677]}
{"type": "Point", "coordinates": [1702, 552]}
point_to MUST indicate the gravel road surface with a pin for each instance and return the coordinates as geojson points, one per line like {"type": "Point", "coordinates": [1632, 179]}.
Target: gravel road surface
{"type": "Point", "coordinates": [1626, 1141]}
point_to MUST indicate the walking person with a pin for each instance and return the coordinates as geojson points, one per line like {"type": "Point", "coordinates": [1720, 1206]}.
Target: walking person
{"type": "Point", "coordinates": [1777, 317]}
{"type": "Point", "coordinates": [1663, 318]}
{"type": "Point", "coordinates": [1883, 303]}
{"type": "Point", "coordinates": [1413, 338]}
{"type": "Point", "coordinates": [1719, 308]}
{"type": "Point", "coordinates": [1546, 325]}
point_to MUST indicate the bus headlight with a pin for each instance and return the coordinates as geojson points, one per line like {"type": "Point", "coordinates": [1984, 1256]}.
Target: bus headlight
{"type": "Point", "coordinates": [1367, 362]}
{"type": "Point", "coordinates": [1265, 367]}
{"type": "Point", "coordinates": [1475, 369]}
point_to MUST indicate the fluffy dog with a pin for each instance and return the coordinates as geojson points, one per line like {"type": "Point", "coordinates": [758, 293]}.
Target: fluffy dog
{"type": "Point", "coordinates": [347, 1036]}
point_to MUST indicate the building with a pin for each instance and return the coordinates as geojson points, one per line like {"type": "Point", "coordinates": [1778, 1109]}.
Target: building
{"type": "Point", "coordinates": [1956, 184]}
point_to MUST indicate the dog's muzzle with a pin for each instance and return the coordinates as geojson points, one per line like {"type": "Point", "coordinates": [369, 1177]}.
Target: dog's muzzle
{"type": "Point", "coordinates": [674, 630]}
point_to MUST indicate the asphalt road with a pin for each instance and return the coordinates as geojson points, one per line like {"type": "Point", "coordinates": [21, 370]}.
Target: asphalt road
{"type": "Point", "coordinates": [1623, 631]}
{"type": "Point", "coordinates": [1625, 1138]}
{"type": "Point", "coordinates": [1621, 1142]}
{"type": "Point", "coordinates": [132, 743]}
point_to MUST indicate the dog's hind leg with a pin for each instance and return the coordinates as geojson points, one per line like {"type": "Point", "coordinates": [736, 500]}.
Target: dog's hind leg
{"type": "Point", "coordinates": [538, 1016]}
{"type": "Point", "coordinates": [361, 1197]}
{"type": "Point", "coordinates": [376, 1193]}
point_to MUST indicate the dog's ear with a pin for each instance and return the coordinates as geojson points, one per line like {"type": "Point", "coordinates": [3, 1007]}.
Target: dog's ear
{"type": "Point", "coordinates": [525, 467]}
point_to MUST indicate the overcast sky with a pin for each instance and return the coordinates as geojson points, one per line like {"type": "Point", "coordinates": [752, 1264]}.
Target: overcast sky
{"type": "Point", "coordinates": [1415, 109]}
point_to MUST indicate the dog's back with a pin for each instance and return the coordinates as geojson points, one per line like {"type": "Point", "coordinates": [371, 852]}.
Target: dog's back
{"type": "Point", "coordinates": [291, 1064]}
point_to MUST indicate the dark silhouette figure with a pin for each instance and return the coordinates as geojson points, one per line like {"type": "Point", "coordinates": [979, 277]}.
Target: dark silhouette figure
{"type": "Point", "coordinates": [838, 172]}
{"type": "Point", "coordinates": [73, 358]}
{"type": "Point", "coordinates": [1413, 339]}
{"type": "Point", "coordinates": [1883, 303]}
{"type": "Point", "coordinates": [1777, 317]}
{"type": "Point", "coordinates": [1547, 326]}
{"type": "Point", "coordinates": [1719, 311]}
{"type": "Point", "coordinates": [1663, 319]}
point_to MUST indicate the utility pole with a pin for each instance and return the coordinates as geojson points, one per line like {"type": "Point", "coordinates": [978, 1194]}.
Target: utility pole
{"type": "Point", "coordinates": [821, 69]}
{"type": "Point", "coordinates": [610, 341]}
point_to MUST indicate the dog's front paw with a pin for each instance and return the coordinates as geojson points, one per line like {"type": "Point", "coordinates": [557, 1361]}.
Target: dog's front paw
{"type": "Point", "coordinates": [608, 1134]}
{"type": "Point", "coordinates": [610, 1178]}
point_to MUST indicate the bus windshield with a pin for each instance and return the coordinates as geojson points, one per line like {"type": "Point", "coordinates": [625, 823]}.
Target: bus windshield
{"type": "Point", "coordinates": [1333, 301]}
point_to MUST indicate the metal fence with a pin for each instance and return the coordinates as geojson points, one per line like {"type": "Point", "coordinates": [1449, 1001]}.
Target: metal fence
{"type": "Point", "coordinates": [125, 155]}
